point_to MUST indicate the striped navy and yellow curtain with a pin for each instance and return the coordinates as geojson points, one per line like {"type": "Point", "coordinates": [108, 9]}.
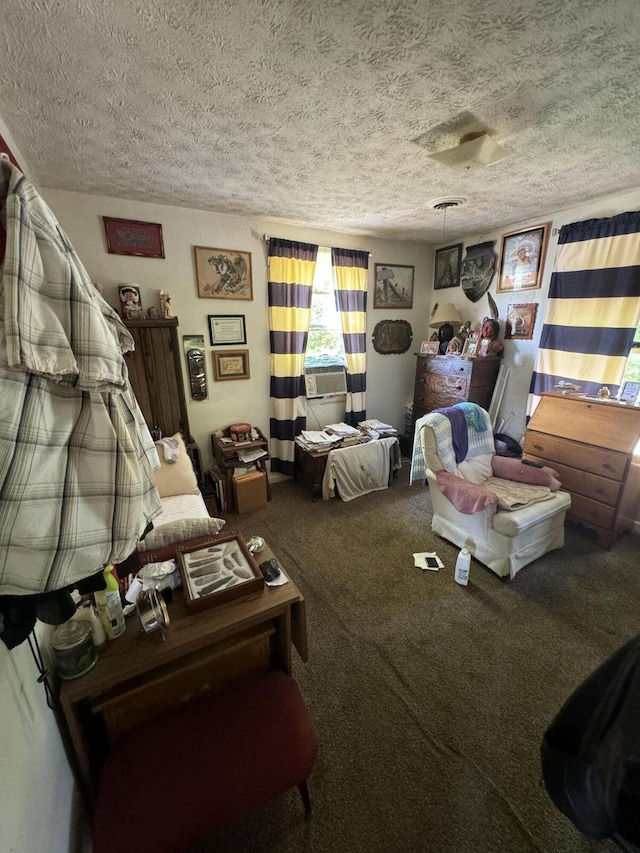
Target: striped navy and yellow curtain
{"type": "Point", "coordinates": [290, 271]}
{"type": "Point", "coordinates": [593, 308]}
{"type": "Point", "coordinates": [351, 272]}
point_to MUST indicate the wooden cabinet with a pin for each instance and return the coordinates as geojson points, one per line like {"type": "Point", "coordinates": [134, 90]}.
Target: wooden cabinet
{"type": "Point", "coordinates": [155, 374]}
{"type": "Point", "coordinates": [590, 443]}
{"type": "Point", "coordinates": [444, 380]}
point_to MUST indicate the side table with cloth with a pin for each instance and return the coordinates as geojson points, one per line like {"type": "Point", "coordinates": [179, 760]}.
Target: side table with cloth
{"type": "Point", "coordinates": [361, 469]}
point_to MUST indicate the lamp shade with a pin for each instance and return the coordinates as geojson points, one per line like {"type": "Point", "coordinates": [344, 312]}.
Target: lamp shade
{"type": "Point", "coordinates": [446, 312]}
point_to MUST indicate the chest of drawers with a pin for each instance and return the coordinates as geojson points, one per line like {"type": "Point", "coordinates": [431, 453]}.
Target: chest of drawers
{"type": "Point", "coordinates": [590, 443]}
{"type": "Point", "coordinates": [444, 380]}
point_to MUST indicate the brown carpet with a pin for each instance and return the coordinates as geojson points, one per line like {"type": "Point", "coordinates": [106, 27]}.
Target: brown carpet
{"type": "Point", "coordinates": [430, 700]}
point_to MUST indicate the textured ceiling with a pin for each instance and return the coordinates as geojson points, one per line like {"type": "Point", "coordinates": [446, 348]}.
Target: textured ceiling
{"type": "Point", "coordinates": [307, 110]}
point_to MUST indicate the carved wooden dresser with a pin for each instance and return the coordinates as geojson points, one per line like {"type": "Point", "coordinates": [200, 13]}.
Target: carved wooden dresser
{"type": "Point", "coordinates": [444, 380]}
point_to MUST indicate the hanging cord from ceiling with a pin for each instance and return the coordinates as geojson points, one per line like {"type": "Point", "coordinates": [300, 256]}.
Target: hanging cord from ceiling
{"type": "Point", "coordinates": [444, 204]}
{"type": "Point", "coordinates": [43, 677]}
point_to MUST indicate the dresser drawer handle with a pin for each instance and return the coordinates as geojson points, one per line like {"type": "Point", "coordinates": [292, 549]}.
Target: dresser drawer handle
{"type": "Point", "coordinates": [606, 466]}
{"type": "Point", "coordinates": [538, 446]}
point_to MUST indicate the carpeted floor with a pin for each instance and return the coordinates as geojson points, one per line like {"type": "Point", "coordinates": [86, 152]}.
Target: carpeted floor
{"type": "Point", "coordinates": [429, 699]}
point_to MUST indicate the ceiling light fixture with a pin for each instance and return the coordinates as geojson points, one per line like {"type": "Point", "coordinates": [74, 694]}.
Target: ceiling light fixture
{"type": "Point", "coordinates": [474, 151]}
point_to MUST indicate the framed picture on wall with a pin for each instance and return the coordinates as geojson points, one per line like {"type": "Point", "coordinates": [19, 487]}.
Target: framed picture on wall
{"type": "Point", "coordinates": [522, 259]}
{"type": "Point", "coordinates": [521, 320]}
{"type": "Point", "coordinates": [131, 237]}
{"type": "Point", "coordinates": [447, 267]}
{"type": "Point", "coordinates": [230, 364]}
{"type": "Point", "coordinates": [223, 273]}
{"type": "Point", "coordinates": [393, 286]}
{"type": "Point", "coordinates": [227, 330]}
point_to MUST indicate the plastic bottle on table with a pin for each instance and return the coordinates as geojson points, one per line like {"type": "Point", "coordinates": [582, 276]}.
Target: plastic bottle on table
{"type": "Point", "coordinates": [463, 564]}
{"type": "Point", "coordinates": [109, 606]}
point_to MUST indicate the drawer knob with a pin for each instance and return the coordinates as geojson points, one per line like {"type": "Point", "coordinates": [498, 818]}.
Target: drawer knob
{"type": "Point", "coordinates": [538, 446]}
{"type": "Point", "coordinates": [606, 466]}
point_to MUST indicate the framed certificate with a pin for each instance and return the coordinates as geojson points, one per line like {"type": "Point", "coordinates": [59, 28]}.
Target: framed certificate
{"type": "Point", "coordinates": [227, 330]}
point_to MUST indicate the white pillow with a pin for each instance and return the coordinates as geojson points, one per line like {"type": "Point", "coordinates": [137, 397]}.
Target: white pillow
{"type": "Point", "coordinates": [176, 478]}
{"type": "Point", "coordinates": [180, 531]}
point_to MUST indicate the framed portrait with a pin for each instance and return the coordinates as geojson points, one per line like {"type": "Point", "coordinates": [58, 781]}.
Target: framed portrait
{"type": "Point", "coordinates": [230, 364]}
{"type": "Point", "coordinates": [392, 337]}
{"type": "Point", "coordinates": [522, 259]}
{"type": "Point", "coordinates": [520, 321]}
{"type": "Point", "coordinates": [393, 286]}
{"type": "Point", "coordinates": [227, 330]}
{"type": "Point", "coordinates": [447, 267]}
{"type": "Point", "coordinates": [216, 571]}
{"type": "Point", "coordinates": [130, 302]}
{"type": "Point", "coordinates": [429, 347]}
{"type": "Point", "coordinates": [131, 237]}
{"type": "Point", "coordinates": [223, 273]}
{"type": "Point", "coordinates": [471, 346]}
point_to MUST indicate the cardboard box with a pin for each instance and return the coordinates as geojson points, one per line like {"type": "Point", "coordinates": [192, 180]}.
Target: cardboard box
{"type": "Point", "coordinates": [250, 491]}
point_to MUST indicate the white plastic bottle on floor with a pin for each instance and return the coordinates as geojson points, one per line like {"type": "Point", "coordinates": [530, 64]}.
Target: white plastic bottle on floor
{"type": "Point", "coordinates": [463, 564]}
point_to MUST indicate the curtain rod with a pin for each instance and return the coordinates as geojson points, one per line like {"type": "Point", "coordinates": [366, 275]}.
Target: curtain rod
{"type": "Point", "coordinates": [266, 239]}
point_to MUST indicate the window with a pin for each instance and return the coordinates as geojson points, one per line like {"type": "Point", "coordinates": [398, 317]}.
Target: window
{"type": "Point", "coordinates": [632, 370]}
{"type": "Point", "coordinates": [325, 345]}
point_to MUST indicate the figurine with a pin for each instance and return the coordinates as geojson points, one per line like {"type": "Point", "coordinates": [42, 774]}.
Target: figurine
{"type": "Point", "coordinates": [489, 343]}
{"type": "Point", "coordinates": [165, 305]}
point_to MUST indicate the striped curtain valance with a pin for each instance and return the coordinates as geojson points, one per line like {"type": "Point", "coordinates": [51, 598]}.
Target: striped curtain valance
{"type": "Point", "coordinates": [291, 268]}
{"type": "Point", "coordinates": [593, 307]}
{"type": "Point", "coordinates": [351, 272]}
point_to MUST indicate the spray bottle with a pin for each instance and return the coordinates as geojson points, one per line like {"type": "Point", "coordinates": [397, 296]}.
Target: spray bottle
{"type": "Point", "coordinates": [109, 605]}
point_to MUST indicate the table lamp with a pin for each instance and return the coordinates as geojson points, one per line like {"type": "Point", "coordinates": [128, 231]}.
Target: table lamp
{"type": "Point", "coordinates": [445, 317]}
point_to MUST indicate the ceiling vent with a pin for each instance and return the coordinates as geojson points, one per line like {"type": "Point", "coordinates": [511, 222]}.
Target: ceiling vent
{"type": "Point", "coordinates": [473, 152]}
{"type": "Point", "coordinates": [445, 203]}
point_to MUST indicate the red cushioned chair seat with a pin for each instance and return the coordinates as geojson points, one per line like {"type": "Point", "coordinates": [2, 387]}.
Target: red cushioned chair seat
{"type": "Point", "coordinates": [168, 785]}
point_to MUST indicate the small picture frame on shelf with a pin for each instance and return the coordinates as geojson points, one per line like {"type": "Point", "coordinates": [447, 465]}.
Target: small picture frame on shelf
{"type": "Point", "coordinates": [130, 302]}
{"type": "Point", "coordinates": [471, 348]}
{"type": "Point", "coordinates": [218, 571]}
{"type": "Point", "coordinates": [629, 392]}
{"type": "Point", "coordinates": [429, 347]}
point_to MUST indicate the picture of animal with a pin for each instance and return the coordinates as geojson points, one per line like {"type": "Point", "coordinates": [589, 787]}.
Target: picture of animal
{"type": "Point", "coordinates": [223, 273]}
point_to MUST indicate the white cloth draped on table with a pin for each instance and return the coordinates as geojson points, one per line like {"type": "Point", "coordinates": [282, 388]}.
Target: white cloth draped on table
{"type": "Point", "coordinates": [360, 469]}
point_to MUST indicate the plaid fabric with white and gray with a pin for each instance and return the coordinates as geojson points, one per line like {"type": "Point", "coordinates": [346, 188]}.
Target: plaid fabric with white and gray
{"type": "Point", "coordinates": [76, 458]}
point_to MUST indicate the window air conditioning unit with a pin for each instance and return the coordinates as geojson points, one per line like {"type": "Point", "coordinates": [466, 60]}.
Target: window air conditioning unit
{"type": "Point", "coordinates": [325, 381]}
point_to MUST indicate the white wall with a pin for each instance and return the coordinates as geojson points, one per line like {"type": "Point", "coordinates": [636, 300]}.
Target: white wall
{"type": "Point", "coordinates": [520, 356]}
{"type": "Point", "coordinates": [389, 377]}
{"type": "Point", "coordinates": [37, 795]}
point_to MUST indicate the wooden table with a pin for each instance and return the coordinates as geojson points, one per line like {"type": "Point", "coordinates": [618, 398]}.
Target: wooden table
{"type": "Point", "coordinates": [310, 465]}
{"type": "Point", "coordinates": [226, 455]}
{"type": "Point", "coordinates": [139, 676]}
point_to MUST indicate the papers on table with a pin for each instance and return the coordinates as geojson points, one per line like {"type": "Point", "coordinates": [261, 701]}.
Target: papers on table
{"type": "Point", "coordinates": [251, 454]}
{"type": "Point", "coordinates": [377, 429]}
{"type": "Point", "coordinates": [341, 429]}
{"type": "Point", "coordinates": [317, 440]}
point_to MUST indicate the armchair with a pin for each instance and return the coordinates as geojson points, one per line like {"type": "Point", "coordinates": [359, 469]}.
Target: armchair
{"type": "Point", "coordinates": [506, 513]}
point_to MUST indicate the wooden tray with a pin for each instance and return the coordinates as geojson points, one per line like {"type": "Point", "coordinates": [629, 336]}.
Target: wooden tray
{"type": "Point", "coordinates": [218, 571]}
